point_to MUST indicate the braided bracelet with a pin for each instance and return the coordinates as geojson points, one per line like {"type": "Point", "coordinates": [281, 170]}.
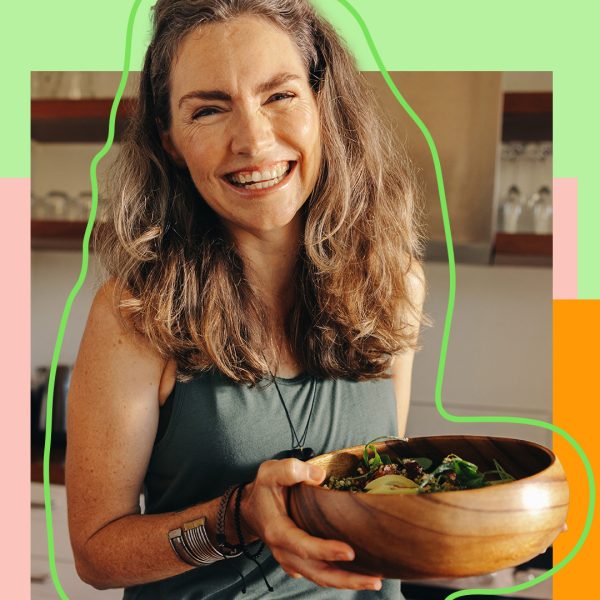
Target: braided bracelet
{"type": "Point", "coordinates": [228, 550]}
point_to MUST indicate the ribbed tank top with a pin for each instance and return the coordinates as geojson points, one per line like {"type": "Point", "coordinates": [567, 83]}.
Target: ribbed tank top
{"type": "Point", "coordinates": [219, 432]}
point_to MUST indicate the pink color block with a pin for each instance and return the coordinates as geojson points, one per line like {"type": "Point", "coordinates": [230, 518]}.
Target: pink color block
{"type": "Point", "coordinates": [565, 239]}
{"type": "Point", "coordinates": [15, 249]}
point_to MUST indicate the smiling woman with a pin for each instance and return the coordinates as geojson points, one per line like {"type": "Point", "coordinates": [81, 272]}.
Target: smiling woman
{"type": "Point", "coordinates": [264, 280]}
{"type": "Point", "coordinates": [248, 131]}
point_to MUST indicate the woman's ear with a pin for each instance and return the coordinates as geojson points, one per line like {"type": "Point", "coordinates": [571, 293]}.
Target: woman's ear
{"type": "Point", "coordinates": [171, 150]}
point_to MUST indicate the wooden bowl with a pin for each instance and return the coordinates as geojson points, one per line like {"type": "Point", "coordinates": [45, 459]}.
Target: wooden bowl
{"type": "Point", "coordinates": [444, 534]}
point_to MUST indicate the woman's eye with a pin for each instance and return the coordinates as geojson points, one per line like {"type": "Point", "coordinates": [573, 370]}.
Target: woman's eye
{"type": "Point", "coordinates": [281, 96]}
{"type": "Point", "coordinates": [204, 112]}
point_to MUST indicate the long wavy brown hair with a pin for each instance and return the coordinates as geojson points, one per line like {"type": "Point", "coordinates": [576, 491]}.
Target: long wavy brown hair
{"type": "Point", "coordinates": [179, 279]}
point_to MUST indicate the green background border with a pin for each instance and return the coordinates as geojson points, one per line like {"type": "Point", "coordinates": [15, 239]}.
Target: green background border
{"type": "Point", "coordinates": [458, 37]}
{"type": "Point", "coordinates": [434, 35]}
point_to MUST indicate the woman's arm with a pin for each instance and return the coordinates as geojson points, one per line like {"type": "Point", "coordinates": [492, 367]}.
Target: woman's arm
{"type": "Point", "coordinates": [402, 363]}
{"type": "Point", "coordinates": [112, 423]}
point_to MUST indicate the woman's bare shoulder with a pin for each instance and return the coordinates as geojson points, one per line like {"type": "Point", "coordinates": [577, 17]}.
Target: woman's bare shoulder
{"type": "Point", "coordinates": [110, 333]}
{"type": "Point", "coordinates": [112, 354]}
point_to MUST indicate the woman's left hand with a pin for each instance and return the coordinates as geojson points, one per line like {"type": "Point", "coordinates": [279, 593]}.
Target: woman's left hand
{"type": "Point", "coordinates": [264, 513]}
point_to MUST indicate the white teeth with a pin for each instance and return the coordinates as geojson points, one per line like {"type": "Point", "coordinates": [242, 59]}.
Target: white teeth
{"type": "Point", "coordinates": [263, 184]}
{"type": "Point", "coordinates": [281, 169]}
{"type": "Point", "coordinates": [266, 176]}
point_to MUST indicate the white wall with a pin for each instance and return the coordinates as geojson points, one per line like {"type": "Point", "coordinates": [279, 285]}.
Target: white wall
{"type": "Point", "coordinates": [64, 167]}
{"type": "Point", "coordinates": [500, 351]}
{"type": "Point", "coordinates": [53, 275]}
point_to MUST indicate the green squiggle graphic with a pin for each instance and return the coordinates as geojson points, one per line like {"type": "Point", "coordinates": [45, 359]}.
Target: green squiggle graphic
{"type": "Point", "coordinates": [67, 310]}
{"type": "Point", "coordinates": [446, 336]}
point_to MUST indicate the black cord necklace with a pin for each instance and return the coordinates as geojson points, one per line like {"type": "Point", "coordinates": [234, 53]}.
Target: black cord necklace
{"type": "Point", "coordinates": [298, 450]}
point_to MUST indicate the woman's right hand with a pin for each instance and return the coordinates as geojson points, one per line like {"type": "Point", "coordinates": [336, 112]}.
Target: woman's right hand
{"type": "Point", "coordinates": [264, 513]}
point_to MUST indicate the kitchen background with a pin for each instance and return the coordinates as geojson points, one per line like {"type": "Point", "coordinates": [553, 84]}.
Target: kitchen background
{"type": "Point", "coordinates": [493, 134]}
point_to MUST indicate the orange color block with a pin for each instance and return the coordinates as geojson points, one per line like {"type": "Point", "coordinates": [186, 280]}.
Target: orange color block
{"type": "Point", "coordinates": [576, 384]}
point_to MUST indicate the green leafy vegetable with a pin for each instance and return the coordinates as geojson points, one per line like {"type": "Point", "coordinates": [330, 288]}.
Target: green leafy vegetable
{"type": "Point", "coordinates": [424, 463]}
{"type": "Point", "coordinates": [381, 474]}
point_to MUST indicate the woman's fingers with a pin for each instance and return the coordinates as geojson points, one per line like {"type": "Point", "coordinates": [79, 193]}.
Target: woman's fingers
{"type": "Point", "coordinates": [326, 575]}
{"type": "Point", "coordinates": [266, 495]}
{"type": "Point", "coordinates": [303, 555]}
{"type": "Point", "coordinates": [288, 472]}
{"type": "Point", "coordinates": [283, 534]}
{"type": "Point", "coordinates": [299, 553]}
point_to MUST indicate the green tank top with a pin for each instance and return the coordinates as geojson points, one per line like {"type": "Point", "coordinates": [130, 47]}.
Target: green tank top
{"type": "Point", "coordinates": [214, 433]}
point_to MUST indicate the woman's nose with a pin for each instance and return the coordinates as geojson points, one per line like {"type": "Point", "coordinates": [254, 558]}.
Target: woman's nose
{"type": "Point", "coordinates": [251, 133]}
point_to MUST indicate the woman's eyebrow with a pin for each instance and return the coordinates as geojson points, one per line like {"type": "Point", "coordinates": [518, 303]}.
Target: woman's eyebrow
{"type": "Point", "coordinates": [275, 81]}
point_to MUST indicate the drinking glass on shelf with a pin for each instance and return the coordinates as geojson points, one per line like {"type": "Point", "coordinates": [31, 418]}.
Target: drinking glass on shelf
{"type": "Point", "coordinates": [73, 210]}
{"type": "Point", "coordinates": [84, 200]}
{"type": "Point", "coordinates": [46, 84]}
{"type": "Point", "coordinates": [512, 151]}
{"type": "Point", "coordinates": [532, 151]}
{"type": "Point", "coordinates": [546, 150]}
{"type": "Point", "coordinates": [77, 85]}
{"type": "Point", "coordinates": [38, 207]}
{"type": "Point", "coordinates": [56, 205]}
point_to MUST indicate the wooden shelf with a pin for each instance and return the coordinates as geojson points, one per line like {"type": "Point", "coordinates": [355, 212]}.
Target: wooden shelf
{"type": "Point", "coordinates": [522, 249]}
{"type": "Point", "coordinates": [527, 103]}
{"type": "Point", "coordinates": [58, 235]}
{"type": "Point", "coordinates": [527, 117]}
{"type": "Point", "coordinates": [77, 120]}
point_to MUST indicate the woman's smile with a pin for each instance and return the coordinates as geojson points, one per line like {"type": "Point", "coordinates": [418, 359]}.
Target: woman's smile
{"type": "Point", "coordinates": [260, 181]}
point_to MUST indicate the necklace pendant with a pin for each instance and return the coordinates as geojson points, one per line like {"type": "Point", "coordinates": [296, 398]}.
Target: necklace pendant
{"type": "Point", "coordinates": [302, 454]}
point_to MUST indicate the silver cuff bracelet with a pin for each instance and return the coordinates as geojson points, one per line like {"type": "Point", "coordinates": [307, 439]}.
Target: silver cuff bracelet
{"type": "Point", "coordinates": [191, 544]}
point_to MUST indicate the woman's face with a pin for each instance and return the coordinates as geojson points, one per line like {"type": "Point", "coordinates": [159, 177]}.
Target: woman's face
{"type": "Point", "coordinates": [245, 123]}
